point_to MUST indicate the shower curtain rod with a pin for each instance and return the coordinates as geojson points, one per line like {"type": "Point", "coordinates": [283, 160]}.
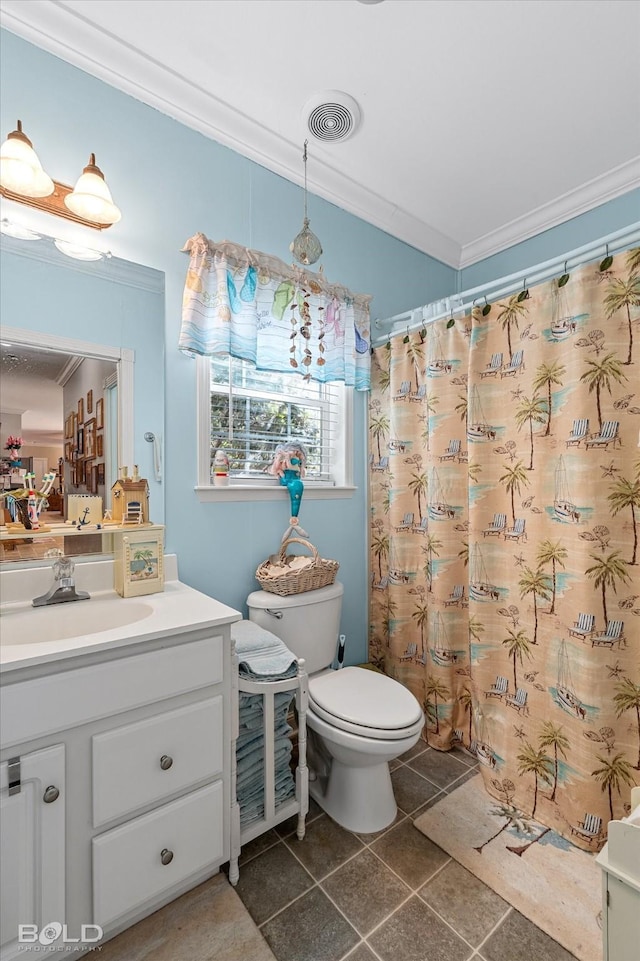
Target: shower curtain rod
{"type": "Point", "coordinates": [417, 317]}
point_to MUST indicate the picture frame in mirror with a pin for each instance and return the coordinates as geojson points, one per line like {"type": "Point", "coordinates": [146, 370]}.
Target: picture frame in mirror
{"type": "Point", "coordinates": [81, 410]}
{"type": "Point", "coordinates": [89, 401]}
{"type": "Point", "coordinates": [90, 438]}
{"type": "Point", "coordinates": [99, 445]}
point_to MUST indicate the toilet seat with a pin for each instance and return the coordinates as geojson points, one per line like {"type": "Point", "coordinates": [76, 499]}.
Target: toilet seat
{"type": "Point", "coordinates": [365, 703]}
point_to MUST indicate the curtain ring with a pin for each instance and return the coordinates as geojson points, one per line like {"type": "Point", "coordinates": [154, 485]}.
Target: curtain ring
{"type": "Point", "coordinates": [565, 276]}
{"type": "Point", "coordinates": [524, 293]}
{"type": "Point", "coordinates": [406, 338]}
{"type": "Point", "coordinates": [608, 260]}
{"type": "Point", "coordinates": [487, 307]}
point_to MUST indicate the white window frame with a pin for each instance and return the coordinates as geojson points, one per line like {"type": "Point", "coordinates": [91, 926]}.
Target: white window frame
{"type": "Point", "coordinates": [267, 488]}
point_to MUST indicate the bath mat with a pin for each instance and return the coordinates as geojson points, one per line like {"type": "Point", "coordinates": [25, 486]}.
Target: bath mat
{"type": "Point", "coordinates": [552, 883]}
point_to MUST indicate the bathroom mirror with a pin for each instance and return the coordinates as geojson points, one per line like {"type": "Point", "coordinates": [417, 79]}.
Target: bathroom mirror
{"type": "Point", "coordinates": [108, 318]}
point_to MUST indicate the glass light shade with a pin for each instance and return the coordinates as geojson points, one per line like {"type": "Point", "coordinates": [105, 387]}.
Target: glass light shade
{"type": "Point", "coordinates": [17, 231]}
{"type": "Point", "coordinates": [76, 251]}
{"type": "Point", "coordinates": [91, 198]}
{"type": "Point", "coordinates": [306, 247]}
{"type": "Point", "coordinates": [20, 170]}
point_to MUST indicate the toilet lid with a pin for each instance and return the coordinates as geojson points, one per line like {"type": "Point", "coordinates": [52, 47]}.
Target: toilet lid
{"type": "Point", "coordinates": [355, 698]}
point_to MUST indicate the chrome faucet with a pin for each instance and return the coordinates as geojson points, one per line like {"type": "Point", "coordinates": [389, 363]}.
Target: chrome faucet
{"type": "Point", "coordinates": [63, 588]}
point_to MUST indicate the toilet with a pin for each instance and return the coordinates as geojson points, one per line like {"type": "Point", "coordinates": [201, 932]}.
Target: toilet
{"type": "Point", "coordinates": [358, 720]}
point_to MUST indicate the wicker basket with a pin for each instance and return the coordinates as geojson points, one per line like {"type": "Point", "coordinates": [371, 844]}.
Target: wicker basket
{"type": "Point", "coordinates": [277, 579]}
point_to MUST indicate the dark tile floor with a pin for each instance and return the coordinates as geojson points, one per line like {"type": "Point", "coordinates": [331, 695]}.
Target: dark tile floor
{"type": "Point", "coordinates": [392, 896]}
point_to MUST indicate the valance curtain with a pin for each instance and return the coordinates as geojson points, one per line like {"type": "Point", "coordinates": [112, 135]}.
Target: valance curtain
{"type": "Point", "coordinates": [282, 318]}
{"type": "Point", "coordinates": [505, 501]}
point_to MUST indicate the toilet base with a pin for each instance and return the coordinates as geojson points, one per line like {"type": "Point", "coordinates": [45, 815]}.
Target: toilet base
{"type": "Point", "coordinates": [360, 799]}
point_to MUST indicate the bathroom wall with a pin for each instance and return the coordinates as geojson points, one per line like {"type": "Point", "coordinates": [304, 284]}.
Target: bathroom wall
{"type": "Point", "coordinates": [170, 183]}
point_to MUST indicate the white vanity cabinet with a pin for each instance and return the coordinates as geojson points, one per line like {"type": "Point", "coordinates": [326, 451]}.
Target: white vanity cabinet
{"type": "Point", "coordinates": [142, 734]}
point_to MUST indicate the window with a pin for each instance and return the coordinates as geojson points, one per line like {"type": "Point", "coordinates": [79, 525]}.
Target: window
{"type": "Point", "coordinates": [248, 412]}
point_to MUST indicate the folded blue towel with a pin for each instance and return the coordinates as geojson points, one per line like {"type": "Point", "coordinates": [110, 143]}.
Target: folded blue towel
{"type": "Point", "coordinates": [253, 809]}
{"type": "Point", "coordinates": [261, 655]}
{"type": "Point", "coordinates": [250, 769]}
{"type": "Point", "coordinates": [283, 785]}
{"type": "Point", "coordinates": [245, 746]}
{"type": "Point", "coordinates": [250, 712]}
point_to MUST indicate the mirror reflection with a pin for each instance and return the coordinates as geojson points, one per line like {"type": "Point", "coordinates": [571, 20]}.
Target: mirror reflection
{"type": "Point", "coordinates": [59, 441]}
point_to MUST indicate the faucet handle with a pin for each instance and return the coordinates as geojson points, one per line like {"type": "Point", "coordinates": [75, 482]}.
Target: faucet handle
{"type": "Point", "coordinates": [63, 568]}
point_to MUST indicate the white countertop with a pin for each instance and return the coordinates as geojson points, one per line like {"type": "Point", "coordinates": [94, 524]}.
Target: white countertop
{"type": "Point", "coordinates": [35, 636]}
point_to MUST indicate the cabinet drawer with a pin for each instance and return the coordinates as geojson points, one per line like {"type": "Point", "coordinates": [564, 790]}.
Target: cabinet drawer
{"type": "Point", "coordinates": [56, 702]}
{"type": "Point", "coordinates": [128, 867]}
{"type": "Point", "coordinates": [137, 764]}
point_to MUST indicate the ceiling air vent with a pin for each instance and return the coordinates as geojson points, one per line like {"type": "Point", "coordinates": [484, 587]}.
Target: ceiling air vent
{"type": "Point", "coordinates": [332, 116]}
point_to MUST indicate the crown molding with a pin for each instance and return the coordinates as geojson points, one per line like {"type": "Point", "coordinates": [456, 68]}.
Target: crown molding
{"type": "Point", "coordinates": [592, 194]}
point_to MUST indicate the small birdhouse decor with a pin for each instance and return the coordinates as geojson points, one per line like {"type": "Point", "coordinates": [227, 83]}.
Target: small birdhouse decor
{"type": "Point", "coordinates": [130, 499]}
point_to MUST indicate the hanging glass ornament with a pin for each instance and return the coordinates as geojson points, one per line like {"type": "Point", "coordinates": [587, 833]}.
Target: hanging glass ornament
{"type": "Point", "coordinates": [306, 248]}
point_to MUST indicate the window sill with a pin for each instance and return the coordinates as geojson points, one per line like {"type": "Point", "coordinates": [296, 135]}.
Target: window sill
{"type": "Point", "coordinates": [257, 492]}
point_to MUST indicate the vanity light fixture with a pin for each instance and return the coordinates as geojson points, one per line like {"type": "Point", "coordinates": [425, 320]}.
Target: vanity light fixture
{"type": "Point", "coordinates": [23, 180]}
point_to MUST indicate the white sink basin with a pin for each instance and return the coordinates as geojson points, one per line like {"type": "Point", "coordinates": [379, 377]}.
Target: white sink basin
{"type": "Point", "coordinates": [57, 622]}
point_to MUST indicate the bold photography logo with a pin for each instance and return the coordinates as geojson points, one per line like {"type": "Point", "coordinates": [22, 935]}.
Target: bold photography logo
{"type": "Point", "coordinates": [54, 931]}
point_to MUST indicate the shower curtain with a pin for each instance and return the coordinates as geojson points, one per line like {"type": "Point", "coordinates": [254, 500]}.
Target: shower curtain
{"type": "Point", "coordinates": [504, 469]}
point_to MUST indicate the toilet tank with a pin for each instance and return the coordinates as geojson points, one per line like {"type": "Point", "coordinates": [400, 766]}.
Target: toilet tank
{"type": "Point", "coordinates": [308, 623]}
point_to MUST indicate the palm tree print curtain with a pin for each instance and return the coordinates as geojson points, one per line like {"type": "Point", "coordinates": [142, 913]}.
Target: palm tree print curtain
{"type": "Point", "coordinates": [505, 500]}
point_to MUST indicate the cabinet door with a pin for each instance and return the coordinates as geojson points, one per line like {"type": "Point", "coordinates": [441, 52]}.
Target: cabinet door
{"type": "Point", "coordinates": [32, 838]}
{"type": "Point", "coordinates": [623, 921]}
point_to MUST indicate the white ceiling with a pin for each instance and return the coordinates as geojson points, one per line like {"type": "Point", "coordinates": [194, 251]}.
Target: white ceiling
{"type": "Point", "coordinates": [483, 121]}
{"type": "Point", "coordinates": [31, 389]}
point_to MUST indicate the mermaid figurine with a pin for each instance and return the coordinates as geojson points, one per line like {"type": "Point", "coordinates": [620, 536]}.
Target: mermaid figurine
{"type": "Point", "coordinates": [289, 467]}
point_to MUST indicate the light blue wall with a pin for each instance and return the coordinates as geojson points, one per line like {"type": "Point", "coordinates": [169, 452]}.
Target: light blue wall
{"type": "Point", "coordinates": [170, 183]}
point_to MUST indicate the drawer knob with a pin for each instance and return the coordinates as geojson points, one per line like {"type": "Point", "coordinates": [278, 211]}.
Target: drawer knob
{"type": "Point", "coordinates": [51, 794]}
{"type": "Point", "coordinates": [166, 856]}
{"type": "Point", "coordinates": [166, 762]}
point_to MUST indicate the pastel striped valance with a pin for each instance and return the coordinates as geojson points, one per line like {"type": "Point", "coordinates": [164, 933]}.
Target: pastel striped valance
{"type": "Point", "coordinates": [280, 317]}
